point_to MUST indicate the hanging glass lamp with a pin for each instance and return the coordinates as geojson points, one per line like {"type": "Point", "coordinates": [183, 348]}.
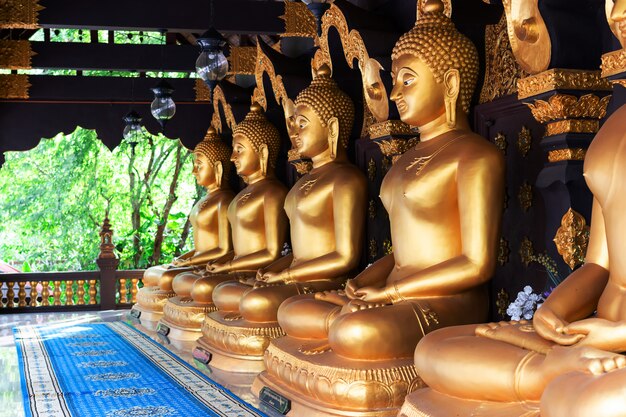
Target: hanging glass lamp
{"type": "Point", "coordinates": [163, 107]}
{"type": "Point", "coordinates": [211, 65]}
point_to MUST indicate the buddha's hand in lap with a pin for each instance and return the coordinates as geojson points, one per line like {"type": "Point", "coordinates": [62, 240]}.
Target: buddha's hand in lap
{"type": "Point", "coordinates": [180, 262]}
{"type": "Point", "coordinates": [263, 284]}
{"type": "Point", "coordinates": [271, 277]}
{"type": "Point", "coordinates": [337, 297]}
{"type": "Point", "coordinates": [216, 268]}
{"type": "Point", "coordinates": [599, 333]}
{"type": "Point", "coordinates": [370, 295]}
{"type": "Point", "coordinates": [358, 305]}
{"type": "Point", "coordinates": [551, 327]}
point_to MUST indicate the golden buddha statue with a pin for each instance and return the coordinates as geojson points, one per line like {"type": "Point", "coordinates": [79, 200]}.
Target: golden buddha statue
{"type": "Point", "coordinates": [208, 217]}
{"type": "Point", "coordinates": [569, 361]}
{"type": "Point", "coordinates": [257, 220]}
{"type": "Point", "coordinates": [352, 350]}
{"type": "Point", "coordinates": [326, 209]}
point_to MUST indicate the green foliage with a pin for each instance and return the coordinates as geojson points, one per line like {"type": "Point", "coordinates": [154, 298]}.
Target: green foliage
{"type": "Point", "coordinates": [54, 199]}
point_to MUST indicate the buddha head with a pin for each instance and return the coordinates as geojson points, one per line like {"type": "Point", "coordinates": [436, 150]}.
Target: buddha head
{"type": "Point", "coordinates": [256, 143]}
{"type": "Point", "coordinates": [211, 160]}
{"type": "Point", "coordinates": [434, 69]}
{"type": "Point", "coordinates": [324, 116]}
{"type": "Point", "coordinates": [616, 16]}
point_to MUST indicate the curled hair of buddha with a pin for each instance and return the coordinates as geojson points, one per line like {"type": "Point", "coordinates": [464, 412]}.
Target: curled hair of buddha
{"type": "Point", "coordinates": [214, 149]}
{"type": "Point", "coordinates": [260, 131]}
{"type": "Point", "coordinates": [327, 100]}
{"type": "Point", "coordinates": [436, 41]}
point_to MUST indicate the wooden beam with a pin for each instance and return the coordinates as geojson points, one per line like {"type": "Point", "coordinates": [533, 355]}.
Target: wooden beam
{"type": "Point", "coordinates": [230, 16]}
{"type": "Point", "coordinates": [104, 56]}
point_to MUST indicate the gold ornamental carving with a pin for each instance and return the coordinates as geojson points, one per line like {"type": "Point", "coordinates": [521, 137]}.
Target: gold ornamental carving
{"type": "Point", "coordinates": [503, 251]}
{"type": "Point", "coordinates": [372, 249]}
{"type": "Point", "coordinates": [390, 128]}
{"type": "Point", "coordinates": [371, 170]}
{"type": "Point", "coordinates": [203, 92]}
{"type": "Point", "coordinates": [561, 79]}
{"type": "Point", "coordinates": [216, 120]}
{"type": "Point", "coordinates": [302, 167]}
{"type": "Point", "coordinates": [447, 7]}
{"type": "Point", "coordinates": [525, 196]}
{"type": "Point", "coordinates": [15, 54]}
{"type": "Point", "coordinates": [387, 247]}
{"type": "Point", "coordinates": [354, 48]}
{"type": "Point", "coordinates": [526, 251]}
{"type": "Point", "coordinates": [567, 154]}
{"type": "Point", "coordinates": [394, 148]}
{"type": "Point", "coordinates": [371, 209]}
{"type": "Point", "coordinates": [502, 70]}
{"type": "Point", "coordinates": [242, 60]}
{"type": "Point", "coordinates": [22, 14]}
{"type": "Point", "coordinates": [502, 302]}
{"type": "Point", "coordinates": [524, 140]}
{"type": "Point", "coordinates": [265, 66]}
{"type": "Point", "coordinates": [528, 35]}
{"type": "Point", "coordinates": [299, 21]}
{"type": "Point", "coordinates": [613, 63]}
{"type": "Point", "coordinates": [572, 126]}
{"type": "Point", "coordinates": [572, 238]}
{"type": "Point", "coordinates": [500, 141]}
{"type": "Point", "coordinates": [565, 106]}
{"type": "Point", "coordinates": [14, 86]}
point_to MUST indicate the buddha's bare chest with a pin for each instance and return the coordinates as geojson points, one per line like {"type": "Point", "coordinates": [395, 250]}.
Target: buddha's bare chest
{"type": "Point", "coordinates": [203, 214]}
{"type": "Point", "coordinates": [310, 199]}
{"type": "Point", "coordinates": [245, 209]}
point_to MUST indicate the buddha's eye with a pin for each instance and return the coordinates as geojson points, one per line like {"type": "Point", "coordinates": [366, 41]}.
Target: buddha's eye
{"type": "Point", "coordinates": [408, 81]}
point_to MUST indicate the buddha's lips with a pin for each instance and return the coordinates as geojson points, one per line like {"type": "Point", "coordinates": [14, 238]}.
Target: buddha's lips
{"type": "Point", "coordinates": [401, 105]}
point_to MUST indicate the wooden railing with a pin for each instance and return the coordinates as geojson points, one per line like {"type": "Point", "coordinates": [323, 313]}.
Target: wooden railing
{"type": "Point", "coordinates": [65, 291]}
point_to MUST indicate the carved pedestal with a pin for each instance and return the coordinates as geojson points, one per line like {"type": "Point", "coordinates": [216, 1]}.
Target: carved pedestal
{"type": "Point", "coordinates": [236, 345]}
{"type": "Point", "coordinates": [150, 303]}
{"type": "Point", "coordinates": [183, 318]}
{"type": "Point", "coordinates": [325, 384]}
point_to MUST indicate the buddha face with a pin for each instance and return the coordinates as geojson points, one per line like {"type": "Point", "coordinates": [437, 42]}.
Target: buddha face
{"type": "Point", "coordinates": [290, 121]}
{"type": "Point", "coordinates": [311, 137]}
{"type": "Point", "coordinates": [616, 16]}
{"type": "Point", "coordinates": [244, 156]}
{"type": "Point", "coordinates": [203, 170]}
{"type": "Point", "coordinates": [416, 92]}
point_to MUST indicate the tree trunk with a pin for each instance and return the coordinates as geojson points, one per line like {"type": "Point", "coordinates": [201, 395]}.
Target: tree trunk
{"type": "Point", "coordinates": [136, 214]}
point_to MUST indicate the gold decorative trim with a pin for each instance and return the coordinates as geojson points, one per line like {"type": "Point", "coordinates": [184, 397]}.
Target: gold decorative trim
{"type": "Point", "coordinates": [572, 238]}
{"type": "Point", "coordinates": [353, 49]}
{"type": "Point", "coordinates": [572, 126]}
{"type": "Point", "coordinates": [563, 79]}
{"type": "Point", "coordinates": [302, 167]}
{"type": "Point", "coordinates": [619, 82]}
{"type": "Point", "coordinates": [502, 302]}
{"type": "Point", "coordinates": [503, 71]}
{"type": "Point", "coordinates": [613, 63]}
{"type": "Point", "coordinates": [387, 247]}
{"type": "Point", "coordinates": [525, 196]}
{"type": "Point", "coordinates": [372, 249]}
{"type": "Point", "coordinates": [371, 170]}
{"type": "Point", "coordinates": [237, 339]}
{"type": "Point", "coordinates": [526, 251]}
{"type": "Point", "coordinates": [390, 128]}
{"type": "Point", "coordinates": [216, 120]}
{"type": "Point", "coordinates": [203, 92]}
{"type": "Point", "coordinates": [14, 86]}
{"type": "Point", "coordinates": [567, 154]}
{"type": "Point", "coordinates": [242, 60]}
{"type": "Point", "coordinates": [565, 106]}
{"type": "Point", "coordinates": [153, 298]}
{"type": "Point", "coordinates": [22, 14]}
{"type": "Point", "coordinates": [500, 142]}
{"type": "Point", "coordinates": [371, 209]}
{"type": "Point", "coordinates": [16, 54]}
{"type": "Point", "coordinates": [524, 140]}
{"type": "Point", "coordinates": [394, 148]}
{"type": "Point", "coordinates": [184, 312]}
{"type": "Point", "coordinates": [503, 251]}
{"type": "Point", "coordinates": [299, 21]}
{"type": "Point", "coordinates": [265, 66]}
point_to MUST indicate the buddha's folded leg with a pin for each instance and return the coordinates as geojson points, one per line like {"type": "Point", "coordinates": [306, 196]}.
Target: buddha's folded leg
{"type": "Point", "coordinates": [183, 283]}
{"type": "Point", "coordinates": [228, 294]}
{"type": "Point", "coordinates": [454, 361]}
{"type": "Point", "coordinates": [203, 288]}
{"type": "Point", "coordinates": [152, 275]}
{"type": "Point", "coordinates": [579, 394]}
{"type": "Point", "coordinates": [379, 333]}
{"type": "Point", "coordinates": [304, 317]}
{"type": "Point", "coordinates": [166, 279]}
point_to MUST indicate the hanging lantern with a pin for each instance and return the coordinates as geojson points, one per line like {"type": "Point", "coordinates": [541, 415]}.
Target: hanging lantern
{"type": "Point", "coordinates": [133, 131]}
{"type": "Point", "coordinates": [211, 65]}
{"type": "Point", "coordinates": [163, 107]}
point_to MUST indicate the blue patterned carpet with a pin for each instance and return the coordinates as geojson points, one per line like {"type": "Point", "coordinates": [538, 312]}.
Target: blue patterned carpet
{"type": "Point", "coordinates": [112, 370]}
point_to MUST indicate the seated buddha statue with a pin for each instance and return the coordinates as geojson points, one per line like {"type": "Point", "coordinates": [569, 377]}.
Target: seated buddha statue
{"type": "Point", "coordinates": [257, 220]}
{"type": "Point", "coordinates": [326, 210]}
{"type": "Point", "coordinates": [352, 350]}
{"type": "Point", "coordinates": [209, 220]}
{"type": "Point", "coordinates": [570, 360]}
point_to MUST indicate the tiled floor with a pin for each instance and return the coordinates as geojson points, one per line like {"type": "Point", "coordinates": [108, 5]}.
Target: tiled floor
{"type": "Point", "coordinates": [10, 390]}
